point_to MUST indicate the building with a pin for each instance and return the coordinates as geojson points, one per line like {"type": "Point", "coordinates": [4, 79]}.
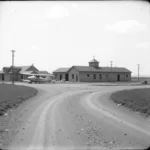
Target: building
{"type": "Point", "coordinates": [93, 73]}
{"type": "Point", "coordinates": [61, 73]}
{"type": "Point", "coordinates": [20, 73]}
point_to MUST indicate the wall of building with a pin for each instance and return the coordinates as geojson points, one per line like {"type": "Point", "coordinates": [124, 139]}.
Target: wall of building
{"type": "Point", "coordinates": [122, 77]}
{"type": "Point", "coordinates": [105, 77]}
{"type": "Point", "coordinates": [58, 74]}
{"type": "Point", "coordinates": [112, 77]}
{"type": "Point", "coordinates": [94, 64]}
{"type": "Point", "coordinates": [74, 75]}
{"type": "Point", "coordinates": [93, 77]}
{"type": "Point", "coordinates": [126, 77]}
{"type": "Point", "coordinates": [17, 77]}
{"type": "Point", "coordinates": [7, 77]}
{"type": "Point", "coordinates": [0, 77]}
{"type": "Point", "coordinates": [24, 76]}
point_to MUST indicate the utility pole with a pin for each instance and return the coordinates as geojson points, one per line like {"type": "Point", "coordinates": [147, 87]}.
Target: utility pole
{"type": "Point", "coordinates": [138, 71]}
{"type": "Point", "coordinates": [13, 51]}
{"type": "Point", "coordinates": [111, 70]}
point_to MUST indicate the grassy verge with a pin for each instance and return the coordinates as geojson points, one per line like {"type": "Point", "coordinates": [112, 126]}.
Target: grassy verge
{"type": "Point", "coordinates": [136, 100]}
{"type": "Point", "coordinates": [12, 95]}
{"type": "Point", "coordinates": [141, 79]}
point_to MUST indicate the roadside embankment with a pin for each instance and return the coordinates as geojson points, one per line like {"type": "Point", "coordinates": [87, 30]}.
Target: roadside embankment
{"type": "Point", "coordinates": [12, 95]}
{"type": "Point", "coordinates": [136, 100]}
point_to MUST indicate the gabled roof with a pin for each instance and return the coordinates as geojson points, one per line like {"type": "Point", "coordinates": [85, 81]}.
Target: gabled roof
{"type": "Point", "coordinates": [43, 72]}
{"type": "Point", "coordinates": [23, 68]}
{"type": "Point", "coordinates": [85, 68]}
{"type": "Point", "coordinates": [17, 69]}
{"type": "Point", "coordinates": [29, 72]}
{"type": "Point", "coordinates": [93, 60]}
{"type": "Point", "coordinates": [101, 69]}
{"type": "Point", "coordinates": [62, 70]}
{"type": "Point", "coordinates": [115, 69]}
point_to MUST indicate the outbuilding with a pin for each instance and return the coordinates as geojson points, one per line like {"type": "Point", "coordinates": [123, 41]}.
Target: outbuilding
{"type": "Point", "coordinates": [20, 73]}
{"type": "Point", "coordinates": [61, 74]}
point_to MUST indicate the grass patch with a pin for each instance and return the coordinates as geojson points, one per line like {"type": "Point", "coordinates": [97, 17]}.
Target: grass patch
{"type": "Point", "coordinates": [136, 100]}
{"type": "Point", "coordinates": [141, 79]}
{"type": "Point", "coordinates": [12, 95]}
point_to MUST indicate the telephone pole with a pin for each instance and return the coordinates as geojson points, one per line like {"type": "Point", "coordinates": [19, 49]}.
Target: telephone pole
{"type": "Point", "coordinates": [138, 71]}
{"type": "Point", "coordinates": [13, 51]}
{"type": "Point", "coordinates": [111, 70]}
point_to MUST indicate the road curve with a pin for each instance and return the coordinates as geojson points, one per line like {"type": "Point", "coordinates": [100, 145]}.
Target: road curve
{"type": "Point", "coordinates": [79, 116]}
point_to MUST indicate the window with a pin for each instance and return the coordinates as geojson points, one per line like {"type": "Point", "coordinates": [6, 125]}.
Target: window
{"type": "Point", "coordinates": [94, 76]}
{"type": "Point", "coordinates": [21, 76]}
{"type": "Point", "coordinates": [88, 75]}
{"type": "Point", "coordinates": [127, 75]}
{"type": "Point", "coordinates": [72, 76]}
{"type": "Point", "coordinates": [106, 76]}
{"type": "Point", "coordinates": [100, 76]}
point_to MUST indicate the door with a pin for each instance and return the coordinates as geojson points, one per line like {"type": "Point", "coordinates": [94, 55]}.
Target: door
{"type": "Point", "coordinates": [118, 77]}
{"type": "Point", "coordinates": [66, 77]}
{"type": "Point", "coordinates": [76, 77]}
{"type": "Point", "coordinates": [2, 77]}
{"type": "Point", "coordinates": [21, 76]}
{"type": "Point", "coordinates": [60, 77]}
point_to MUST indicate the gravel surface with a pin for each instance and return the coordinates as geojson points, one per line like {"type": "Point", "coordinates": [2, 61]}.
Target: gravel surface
{"type": "Point", "coordinates": [73, 116]}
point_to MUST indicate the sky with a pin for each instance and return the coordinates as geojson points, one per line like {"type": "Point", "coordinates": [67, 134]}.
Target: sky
{"type": "Point", "coordinates": [52, 34]}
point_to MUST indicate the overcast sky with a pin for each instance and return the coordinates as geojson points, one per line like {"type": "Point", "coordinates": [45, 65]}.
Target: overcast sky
{"type": "Point", "coordinates": [61, 34]}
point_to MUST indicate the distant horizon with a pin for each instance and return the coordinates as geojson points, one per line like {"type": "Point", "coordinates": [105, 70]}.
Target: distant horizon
{"type": "Point", "coordinates": [54, 35]}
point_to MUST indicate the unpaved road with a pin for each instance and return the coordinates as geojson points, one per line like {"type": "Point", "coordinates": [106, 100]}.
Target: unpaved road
{"type": "Point", "coordinates": [75, 116]}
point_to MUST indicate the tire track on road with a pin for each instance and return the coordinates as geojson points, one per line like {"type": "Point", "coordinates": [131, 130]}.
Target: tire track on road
{"type": "Point", "coordinates": [39, 133]}
{"type": "Point", "coordinates": [40, 130]}
{"type": "Point", "coordinates": [106, 112]}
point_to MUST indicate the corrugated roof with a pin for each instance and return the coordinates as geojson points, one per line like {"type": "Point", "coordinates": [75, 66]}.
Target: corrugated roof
{"type": "Point", "coordinates": [101, 69]}
{"type": "Point", "coordinates": [62, 70]}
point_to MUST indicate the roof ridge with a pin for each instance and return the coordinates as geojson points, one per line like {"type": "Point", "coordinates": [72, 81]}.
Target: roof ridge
{"type": "Point", "coordinates": [24, 66]}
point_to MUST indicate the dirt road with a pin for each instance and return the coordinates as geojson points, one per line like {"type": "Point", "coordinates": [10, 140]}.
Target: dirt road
{"type": "Point", "coordinates": [75, 116]}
